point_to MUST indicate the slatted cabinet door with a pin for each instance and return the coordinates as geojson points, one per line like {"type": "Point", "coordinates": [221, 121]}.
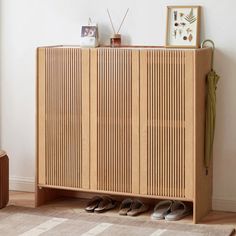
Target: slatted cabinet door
{"type": "Point", "coordinates": [114, 129]}
{"type": "Point", "coordinates": [166, 123]}
{"type": "Point", "coordinates": [63, 117]}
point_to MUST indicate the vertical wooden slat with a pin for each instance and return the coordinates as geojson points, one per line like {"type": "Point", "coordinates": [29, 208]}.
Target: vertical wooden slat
{"type": "Point", "coordinates": [167, 128]}
{"type": "Point", "coordinates": [121, 121]}
{"type": "Point", "coordinates": [125, 124]}
{"type": "Point", "coordinates": [93, 118]}
{"type": "Point", "coordinates": [109, 123]}
{"type": "Point", "coordinates": [41, 115]}
{"type": "Point", "coordinates": [59, 136]}
{"type": "Point", "coordinates": [72, 136]}
{"type": "Point", "coordinates": [143, 122]}
{"type": "Point", "coordinates": [102, 118]}
{"type": "Point", "coordinates": [149, 103]}
{"type": "Point", "coordinates": [112, 115]}
{"type": "Point", "coordinates": [175, 59]}
{"type": "Point", "coordinates": [99, 121]}
{"type": "Point", "coordinates": [158, 122]}
{"type": "Point", "coordinates": [179, 129]}
{"type": "Point", "coordinates": [183, 127]}
{"type": "Point", "coordinates": [116, 118]}
{"type": "Point", "coordinates": [66, 114]}
{"type": "Point", "coordinates": [80, 114]}
{"type": "Point", "coordinates": [171, 124]}
{"type": "Point", "coordinates": [155, 124]}
{"type": "Point", "coordinates": [164, 122]}
{"type": "Point", "coordinates": [64, 92]}
{"type": "Point", "coordinates": [135, 122]}
{"type": "Point", "coordinates": [49, 125]}
{"type": "Point", "coordinates": [119, 99]}
{"type": "Point", "coordinates": [161, 122]}
{"type": "Point", "coordinates": [150, 119]}
{"type": "Point", "coordinates": [189, 119]}
{"type": "Point", "coordinates": [54, 125]}
{"type": "Point", "coordinates": [177, 135]}
{"type": "Point", "coordinates": [105, 116]}
{"type": "Point", "coordinates": [61, 121]}
{"type": "Point", "coordinates": [85, 118]}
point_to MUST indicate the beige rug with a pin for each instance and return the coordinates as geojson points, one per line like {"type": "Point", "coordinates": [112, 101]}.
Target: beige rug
{"type": "Point", "coordinates": [63, 219]}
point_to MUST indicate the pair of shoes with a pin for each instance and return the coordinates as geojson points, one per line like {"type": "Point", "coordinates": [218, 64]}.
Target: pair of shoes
{"type": "Point", "coordinates": [100, 204]}
{"type": "Point", "coordinates": [132, 207]}
{"type": "Point", "coordinates": [171, 210]}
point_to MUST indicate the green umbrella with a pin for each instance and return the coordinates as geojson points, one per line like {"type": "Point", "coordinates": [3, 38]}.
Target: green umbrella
{"type": "Point", "coordinates": [212, 79]}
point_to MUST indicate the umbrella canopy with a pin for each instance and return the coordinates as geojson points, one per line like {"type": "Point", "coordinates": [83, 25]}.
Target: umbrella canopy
{"type": "Point", "coordinates": [212, 80]}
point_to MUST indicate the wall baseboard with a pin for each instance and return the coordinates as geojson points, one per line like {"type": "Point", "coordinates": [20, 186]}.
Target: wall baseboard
{"type": "Point", "coordinates": [25, 184]}
{"type": "Point", "coordinates": [223, 204]}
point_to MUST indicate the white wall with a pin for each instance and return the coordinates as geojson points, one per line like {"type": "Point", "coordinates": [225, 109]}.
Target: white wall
{"type": "Point", "coordinates": [27, 24]}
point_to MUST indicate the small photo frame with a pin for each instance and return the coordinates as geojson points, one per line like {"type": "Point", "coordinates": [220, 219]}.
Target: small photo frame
{"type": "Point", "coordinates": [89, 36]}
{"type": "Point", "coordinates": [89, 31]}
{"type": "Point", "coordinates": [183, 26]}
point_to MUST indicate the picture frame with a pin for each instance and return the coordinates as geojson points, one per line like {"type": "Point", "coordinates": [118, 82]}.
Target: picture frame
{"type": "Point", "coordinates": [183, 26]}
{"type": "Point", "coordinates": [89, 36]}
{"type": "Point", "coordinates": [88, 31]}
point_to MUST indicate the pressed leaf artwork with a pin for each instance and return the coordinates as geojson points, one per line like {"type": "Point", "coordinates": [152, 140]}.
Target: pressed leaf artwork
{"type": "Point", "coordinates": [175, 33]}
{"type": "Point", "coordinates": [190, 38]}
{"type": "Point", "coordinates": [183, 23]}
{"type": "Point", "coordinates": [190, 17]}
{"type": "Point", "coordinates": [188, 30]}
{"type": "Point", "coordinates": [175, 15]}
{"type": "Point", "coordinates": [180, 32]}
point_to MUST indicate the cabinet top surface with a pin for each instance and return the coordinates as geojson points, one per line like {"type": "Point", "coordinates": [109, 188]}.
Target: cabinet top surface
{"type": "Point", "coordinates": [128, 47]}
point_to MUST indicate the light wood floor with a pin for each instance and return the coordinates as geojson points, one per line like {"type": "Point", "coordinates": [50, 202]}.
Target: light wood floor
{"type": "Point", "coordinates": [215, 217]}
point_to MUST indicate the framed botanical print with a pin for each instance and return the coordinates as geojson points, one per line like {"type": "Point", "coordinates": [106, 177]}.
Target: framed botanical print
{"type": "Point", "coordinates": [183, 26]}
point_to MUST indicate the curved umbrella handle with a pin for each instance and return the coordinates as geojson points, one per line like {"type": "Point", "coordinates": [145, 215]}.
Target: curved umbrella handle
{"type": "Point", "coordinates": [213, 49]}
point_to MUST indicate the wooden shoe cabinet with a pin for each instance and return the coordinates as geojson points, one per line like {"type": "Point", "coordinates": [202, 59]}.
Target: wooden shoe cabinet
{"type": "Point", "coordinates": [123, 121]}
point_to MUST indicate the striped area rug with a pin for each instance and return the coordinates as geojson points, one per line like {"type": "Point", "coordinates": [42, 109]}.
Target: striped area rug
{"type": "Point", "coordinates": [53, 220]}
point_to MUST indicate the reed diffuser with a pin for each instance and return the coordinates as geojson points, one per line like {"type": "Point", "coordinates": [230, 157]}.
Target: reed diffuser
{"type": "Point", "coordinates": [115, 40]}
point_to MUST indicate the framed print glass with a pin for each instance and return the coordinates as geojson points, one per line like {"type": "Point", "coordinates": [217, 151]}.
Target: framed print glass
{"type": "Point", "coordinates": [183, 26]}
